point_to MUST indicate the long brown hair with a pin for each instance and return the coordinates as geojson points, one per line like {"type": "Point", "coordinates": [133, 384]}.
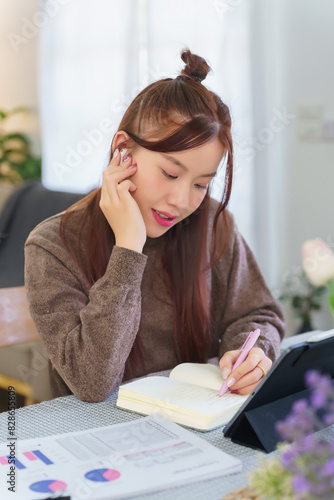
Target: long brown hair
{"type": "Point", "coordinates": [185, 114]}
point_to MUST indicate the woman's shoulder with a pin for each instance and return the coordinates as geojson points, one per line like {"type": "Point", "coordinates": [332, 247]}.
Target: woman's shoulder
{"type": "Point", "coordinates": [48, 232]}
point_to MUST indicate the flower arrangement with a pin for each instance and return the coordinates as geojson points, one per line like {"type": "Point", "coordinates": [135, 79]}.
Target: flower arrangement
{"type": "Point", "coordinates": [303, 296]}
{"type": "Point", "coordinates": [303, 469]}
{"type": "Point", "coordinates": [318, 264]}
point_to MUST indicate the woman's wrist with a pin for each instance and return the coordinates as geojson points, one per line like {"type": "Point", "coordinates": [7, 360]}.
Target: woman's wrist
{"type": "Point", "coordinates": [130, 245]}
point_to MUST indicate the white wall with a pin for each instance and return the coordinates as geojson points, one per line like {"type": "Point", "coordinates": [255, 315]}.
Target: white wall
{"type": "Point", "coordinates": [293, 46]}
{"type": "Point", "coordinates": [18, 56]}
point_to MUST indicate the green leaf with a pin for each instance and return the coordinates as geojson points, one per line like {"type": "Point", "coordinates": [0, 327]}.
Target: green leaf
{"type": "Point", "coordinates": [330, 285]}
{"type": "Point", "coordinates": [319, 291]}
{"type": "Point", "coordinates": [30, 168]}
{"type": "Point", "coordinates": [297, 301]}
{"type": "Point", "coordinates": [15, 150]}
{"type": "Point", "coordinates": [16, 136]}
{"type": "Point", "coordinates": [331, 304]}
{"type": "Point", "coordinates": [331, 296]}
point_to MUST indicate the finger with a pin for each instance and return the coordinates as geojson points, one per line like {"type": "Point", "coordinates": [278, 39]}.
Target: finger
{"type": "Point", "coordinates": [113, 178]}
{"type": "Point", "coordinates": [119, 173]}
{"type": "Point", "coordinates": [227, 361]}
{"type": "Point", "coordinates": [254, 376]}
{"type": "Point", "coordinates": [125, 187]}
{"type": "Point", "coordinates": [248, 389]}
{"type": "Point", "coordinates": [264, 366]}
{"type": "Point", "coordinates": [109, 193]}
{"type": "Point", "coordinates": [255, 356]}
{"type": "Point", "coordinates": [117, 161]}
{"type": "Point", "coordinates": [116, 156]}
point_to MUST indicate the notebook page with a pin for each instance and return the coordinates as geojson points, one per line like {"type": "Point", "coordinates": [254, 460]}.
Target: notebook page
{"type": "Point", "coordinates": [202, 374]}
{"type": "Point", "coordinates": [191, 397]}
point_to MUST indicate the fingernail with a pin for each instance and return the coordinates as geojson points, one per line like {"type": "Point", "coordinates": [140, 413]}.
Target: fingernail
{"type": "Point", "coordinates": [126, 158]}
{"type": "Point", "coordinates": [225, 373]}
{"type": "Point", "coordinates": [115, 153]}
{"type": "Point", "coordinates": [234, 392]}
{"type": "Point", "coordinates": [231, 382]}
{"type": "Point", "coordinates": [132, 166]}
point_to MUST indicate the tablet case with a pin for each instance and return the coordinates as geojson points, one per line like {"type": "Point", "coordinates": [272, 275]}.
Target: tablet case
{"type": "Point", "coordinates": [254, 423]}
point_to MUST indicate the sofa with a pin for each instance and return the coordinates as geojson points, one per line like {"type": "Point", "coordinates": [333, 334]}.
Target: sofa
{"type": "Point", "coordinates": [22, 207]}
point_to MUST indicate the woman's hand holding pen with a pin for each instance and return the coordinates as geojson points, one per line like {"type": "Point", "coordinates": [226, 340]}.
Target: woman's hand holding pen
{"type": "Point", "coordinates": [246, 376]}
{"type": "Point", "coordinates": [118, 205]}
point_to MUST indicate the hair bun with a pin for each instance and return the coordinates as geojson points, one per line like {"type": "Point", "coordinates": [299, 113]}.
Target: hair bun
{"type": "Point", "coordinates": [196, 67]}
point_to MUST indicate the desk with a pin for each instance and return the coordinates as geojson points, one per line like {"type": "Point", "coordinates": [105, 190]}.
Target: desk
{"type": "Point", "coordinates": [70, 414]}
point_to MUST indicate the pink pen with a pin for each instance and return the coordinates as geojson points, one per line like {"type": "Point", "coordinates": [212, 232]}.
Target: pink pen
{"type": "Point", "coordinates": [244, 351]}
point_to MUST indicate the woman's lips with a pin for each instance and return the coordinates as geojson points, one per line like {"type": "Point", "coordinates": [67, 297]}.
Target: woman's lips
{"type": "Point", "coordinates": [161, 220]}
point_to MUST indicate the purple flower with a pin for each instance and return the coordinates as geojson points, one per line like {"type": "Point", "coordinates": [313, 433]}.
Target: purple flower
{"type": "Point", "coordinates": [309, 459]}
{"type": "Point", "coordinates": [325, 384]}
{"type": "Point", "coordinates": [319, 491]}
{"type": "Point", "coordinates": [300, 484]}
{"type": "Point", "coordinates": [309, 444]}
{"type": "Point", "coordinates": [328, 468]}
{"type": "Point", "coordinates": [318, 399]}
{"type": "Point", "coordinates": [300, 406]}
{"type": "Point", "coordinates": [299, 423]}
{"type": "Point", "coordinates": [328, 418]}
{"type": "Point", "coordinates": [312, 378]}
{"type": "Point", "coordinates": [321, 448]}
{"type": "Point", "coordinates": [288, 457]}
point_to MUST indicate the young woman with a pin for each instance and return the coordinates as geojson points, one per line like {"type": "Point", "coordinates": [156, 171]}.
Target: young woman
{"type": "Point", "coordinates": [148, 271]}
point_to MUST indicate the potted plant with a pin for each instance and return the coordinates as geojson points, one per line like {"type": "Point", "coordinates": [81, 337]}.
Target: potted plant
{"type": "Point", "coordinates": [17, 161]}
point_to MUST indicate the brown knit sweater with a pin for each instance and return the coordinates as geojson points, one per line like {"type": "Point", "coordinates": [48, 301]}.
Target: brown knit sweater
{"type": "Point", "coordinates": [89, 331]}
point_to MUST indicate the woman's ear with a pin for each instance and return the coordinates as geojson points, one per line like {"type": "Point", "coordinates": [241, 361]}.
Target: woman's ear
{"type": "Point", "coordinates": [120, 139]}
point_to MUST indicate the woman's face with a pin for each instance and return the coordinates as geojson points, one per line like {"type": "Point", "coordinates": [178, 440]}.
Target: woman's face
{"type": "Point", "coordinates": [171, 186]}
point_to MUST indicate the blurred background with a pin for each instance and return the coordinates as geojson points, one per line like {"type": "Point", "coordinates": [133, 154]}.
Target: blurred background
{"type": "Point", "coordinates": [75, 66]}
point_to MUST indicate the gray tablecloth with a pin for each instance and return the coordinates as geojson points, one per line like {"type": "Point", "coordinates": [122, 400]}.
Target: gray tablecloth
{"type": "Point", "coordinates": [70, 414]}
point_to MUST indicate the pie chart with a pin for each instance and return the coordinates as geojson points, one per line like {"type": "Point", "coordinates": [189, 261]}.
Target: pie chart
{"type": "Point", "coordinates": [102, 475]}
{"type": "Point", "coordinates": [48, 485]}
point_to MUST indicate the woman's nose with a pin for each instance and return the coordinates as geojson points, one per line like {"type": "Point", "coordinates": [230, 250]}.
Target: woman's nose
{"type": "Point", "coordinates": [179, 196]}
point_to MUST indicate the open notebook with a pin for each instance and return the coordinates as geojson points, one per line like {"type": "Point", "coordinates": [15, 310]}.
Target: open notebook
{"type": "Point", "coordinates": [189, 396]}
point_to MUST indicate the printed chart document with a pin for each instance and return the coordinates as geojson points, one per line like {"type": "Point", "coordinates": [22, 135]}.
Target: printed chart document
{"type": "Point", "coordinates": [117, 461]}
{"type": "Point", "coordinates": [189, 396]}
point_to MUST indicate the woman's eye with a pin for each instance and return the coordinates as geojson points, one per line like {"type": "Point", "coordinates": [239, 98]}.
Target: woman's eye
{"type": "Point", "coordinates": [168, 175]}
{"type": "Point", "coordinates": [201, 187]}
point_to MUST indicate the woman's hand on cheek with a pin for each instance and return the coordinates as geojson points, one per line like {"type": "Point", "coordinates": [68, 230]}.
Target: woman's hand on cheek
{"type": "Point", "coordinates": [118, 205]}
{"type": "Point", "coordinates": [246, 377]}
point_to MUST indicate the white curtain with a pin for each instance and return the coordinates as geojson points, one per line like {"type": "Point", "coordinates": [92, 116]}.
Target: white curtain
{"type": "Point", "coordinates": [96, 56]}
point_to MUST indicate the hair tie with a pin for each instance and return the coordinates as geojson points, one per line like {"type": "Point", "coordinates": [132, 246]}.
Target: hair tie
{"type": "Point", "coordinates": [179, 77]}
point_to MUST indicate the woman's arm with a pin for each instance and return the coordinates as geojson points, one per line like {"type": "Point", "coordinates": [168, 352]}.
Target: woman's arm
{"type": "Point", "coordinates": [88, 334]}
{"type": "Point", "coordinates": [245, 304]}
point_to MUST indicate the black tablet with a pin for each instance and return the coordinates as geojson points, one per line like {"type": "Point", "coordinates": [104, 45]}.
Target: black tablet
{"type": "Point", "coordinates": [254, 423]}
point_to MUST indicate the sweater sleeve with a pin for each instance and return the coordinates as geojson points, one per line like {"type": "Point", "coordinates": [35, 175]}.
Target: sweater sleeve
{"type": "Point", "coordinates": [245, 302]}
{"type": "Point", "coordinates": [88, 333]}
